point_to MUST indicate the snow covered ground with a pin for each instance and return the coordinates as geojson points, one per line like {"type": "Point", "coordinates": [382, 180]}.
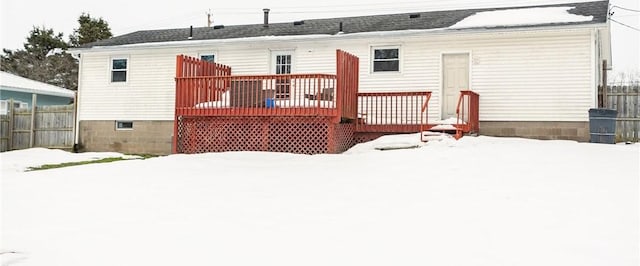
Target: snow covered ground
{"type": "Point", "coordinates": [476, 201]}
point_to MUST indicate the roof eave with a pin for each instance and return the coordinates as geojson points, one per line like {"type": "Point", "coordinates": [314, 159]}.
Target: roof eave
{"type": "Point", "coordinates": [359, 35]}
{"type": "Point", "coordinates": [29, 90]}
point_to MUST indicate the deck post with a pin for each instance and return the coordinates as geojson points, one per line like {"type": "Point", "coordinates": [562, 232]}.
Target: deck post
{"type": "Point", "coordinates": [339, 81]}
{"type": "Point", "coordinates": [174, 140]}
{"type": "Point", "coordinates": [331, 140]}
{"type": "Point", "coordinates": [265, 134]}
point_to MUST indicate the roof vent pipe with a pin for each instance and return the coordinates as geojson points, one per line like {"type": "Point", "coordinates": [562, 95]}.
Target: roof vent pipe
{"type": "Point", "coordinates": [266, 17]}
{"type": "Point", "coordinates": [190, 33]}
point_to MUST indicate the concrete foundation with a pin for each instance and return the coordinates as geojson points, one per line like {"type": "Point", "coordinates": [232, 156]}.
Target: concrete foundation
{"type": "Point", "coordinates": [155, 137]}
{"type": "Point", "coordinates": [146, 137]}
{"type": "Point", "coordinates": [578, 131]}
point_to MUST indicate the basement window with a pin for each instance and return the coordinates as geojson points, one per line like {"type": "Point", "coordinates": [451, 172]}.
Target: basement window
{"type": "Point", "coordinates": [119, 69]}
{"type": "Point", "coordinates": [385, 59]}
{"type": "Point", "coordinates": [124, 125]}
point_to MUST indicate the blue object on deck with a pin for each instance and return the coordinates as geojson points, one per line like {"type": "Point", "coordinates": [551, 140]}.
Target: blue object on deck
{"type": "Point", "coordinates": [602, 125]}
{"type": "Point", "coordinates": [269, 103]}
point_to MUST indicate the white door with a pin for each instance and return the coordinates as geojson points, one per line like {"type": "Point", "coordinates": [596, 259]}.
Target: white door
{"type": "Point", "coordinates": [455, 77]}
{"type": "Point", "coordinates": [282, 63]}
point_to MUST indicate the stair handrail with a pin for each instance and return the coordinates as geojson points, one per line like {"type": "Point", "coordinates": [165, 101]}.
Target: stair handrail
{"type": "Point", "coordinates": [424, 114]}
{"type": "Point", "coordinates": [460, 101]}
{"type": "Point", "coordinates": [472, 106]}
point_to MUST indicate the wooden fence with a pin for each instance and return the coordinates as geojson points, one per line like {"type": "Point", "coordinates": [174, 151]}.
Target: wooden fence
{"type": "Point", "coordinates": [42, 126]}
{"type": "Point", "coordinates": [626, 100]}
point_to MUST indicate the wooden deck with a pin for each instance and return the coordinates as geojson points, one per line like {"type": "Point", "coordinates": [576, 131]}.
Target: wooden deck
{"type": "Point", "coordinates": [209, 89]}
{"type": "Point", "coordinates": [301, 113]}
{"type": "Point", "coordinates": [213, 107]}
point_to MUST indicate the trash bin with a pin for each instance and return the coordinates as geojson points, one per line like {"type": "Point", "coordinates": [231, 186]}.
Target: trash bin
{"type": "Point", "coordinates": [602, 125]}
{"type": "Point", "coordinates": [269, 102]}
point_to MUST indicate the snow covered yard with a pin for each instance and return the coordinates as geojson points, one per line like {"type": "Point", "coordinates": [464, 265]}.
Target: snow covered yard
{"type": "Point", "coordinates": [476, 201]}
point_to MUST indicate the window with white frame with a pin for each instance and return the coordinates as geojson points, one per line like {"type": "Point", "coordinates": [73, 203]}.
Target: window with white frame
{"type": "Point", "coordinates": [124, 125]}
{"type": "Point", "coordinates": [119, 67]}
{"type": "Point", "coordinates": [385, 59]}
{"type": "Point", "coordinates": [4, 106]}
{"type": "Point", "coordinates": [282, 64]}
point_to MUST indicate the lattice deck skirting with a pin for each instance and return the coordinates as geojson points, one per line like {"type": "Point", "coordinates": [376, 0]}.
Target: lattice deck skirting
{"type": "Point", "coordinates": [306, 135]}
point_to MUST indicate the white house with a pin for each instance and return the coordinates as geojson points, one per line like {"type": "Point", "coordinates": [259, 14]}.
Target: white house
{"type": "Point", "coordinates": [536, 69]}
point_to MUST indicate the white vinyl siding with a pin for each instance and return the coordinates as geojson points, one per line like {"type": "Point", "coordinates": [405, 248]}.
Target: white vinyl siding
{"type": "Point", "coordinates": [147, 95]}
{"type": "Point", "coordinates": [520, 76]}
{"type": "Point", "coordinates": [150, 88]}
{"type": "Point", "coordinates": [535, 79]}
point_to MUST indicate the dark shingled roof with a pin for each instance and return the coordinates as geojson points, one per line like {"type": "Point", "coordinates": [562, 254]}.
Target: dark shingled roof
{"type": "Point", "coordinates": [392, 22]}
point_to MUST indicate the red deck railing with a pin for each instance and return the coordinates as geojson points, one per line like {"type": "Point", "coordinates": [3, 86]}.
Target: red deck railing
{"type": "Point", "coordinates": [392, 111]}
{"type": "Point", "coordinates": [468, 111]}
{"type": "Point", "coordinates": [257, 95]}
{"type": "Point", "coordinates": [209, 89]}
{"type": "Point", "coordinates": [347, 74]}
{"type": "Point", "coordinates": [187, 66]}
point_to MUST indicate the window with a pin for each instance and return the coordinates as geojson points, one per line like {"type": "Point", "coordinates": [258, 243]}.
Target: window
{"type": "Point", "coordinates": [211, 58]}
{"type": "Point", "coordinates": [386, 59]}
{"type": "Point", "coordinates": [124, 125]}
{"type": "Point", "coordinates": [119, 70]}
{"type": "Point", "coordinates": [282, 64]}
{"type": "Point", "coordinates": [4, 106]}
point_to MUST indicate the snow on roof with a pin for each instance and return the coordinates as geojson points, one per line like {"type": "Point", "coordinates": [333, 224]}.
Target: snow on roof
{"type": "Point", "coordinates": [520, 17]}
{"type": "Point", "coordinates": [17, 83]}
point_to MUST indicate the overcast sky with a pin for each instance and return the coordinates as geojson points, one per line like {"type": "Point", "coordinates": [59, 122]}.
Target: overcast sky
{"type": "Point", "coordinates": [124, 16]}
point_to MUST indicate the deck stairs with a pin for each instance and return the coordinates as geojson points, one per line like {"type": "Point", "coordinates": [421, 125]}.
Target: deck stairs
{"type": "Point", "coordinates": [465, 122]}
